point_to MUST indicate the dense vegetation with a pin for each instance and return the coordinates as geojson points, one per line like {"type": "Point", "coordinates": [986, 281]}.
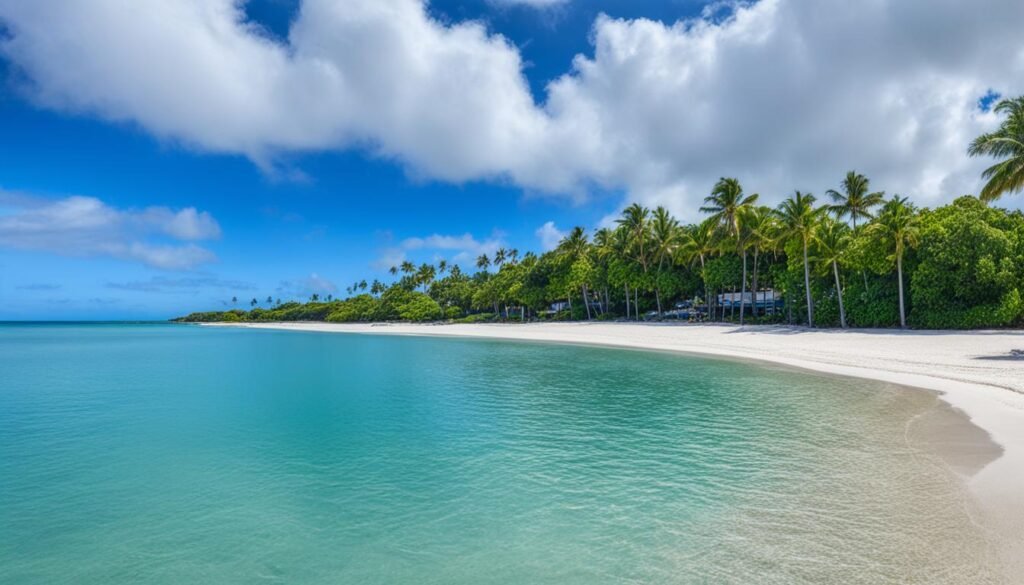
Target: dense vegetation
{"type": "Point", "coordinates": [860, 259]}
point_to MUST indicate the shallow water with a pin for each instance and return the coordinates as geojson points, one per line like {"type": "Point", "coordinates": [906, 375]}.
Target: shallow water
{"type": "Point", "coordinates": [170, 454]}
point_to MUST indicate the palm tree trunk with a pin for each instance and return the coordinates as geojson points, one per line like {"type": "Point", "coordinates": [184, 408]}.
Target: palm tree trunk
{"type": "Point", "coordinates": [743, 288]}
{"type": "Point", "coordinates": [626, 286]}
{"type": "Point", "coordinates": [754, 311]}
{"type": "Point", "coordinates": [839, 293]}
{"type": "Point", "coordinates": [732, 303]}
{"type": "Point", "coordinates": [586, 301]}
{"type": "Point", "coordinates": [899, 273]}
{"type": "Point", "coordinates": [636, 302]}
{"type": "Point", "coordinates": [807, 287]}
{"type": "Point", "coordinates": [657, 298]}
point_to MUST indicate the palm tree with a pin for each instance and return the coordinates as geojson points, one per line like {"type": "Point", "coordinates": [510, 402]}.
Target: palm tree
{"type": "Point", "coordinates": [856, 201]}
{"type": "Point", "coordinates": [575, 247]}
{"type": "Point", "coordinates": [442, 266]}
{"type": "Point", "coordinates": [799, 220]}
{"type": "Point", "coordinates": [270, 300]}
{"type": "Point", "coordinates": [483, 262]}
{"type": "Point", "coordinates": [1006, 176]}
{"type": "Point", "coordinates": [727, 205]}
{"type": "Point", "coordinates": [499, 256]}
{"type": "Point", "coordinates": [898, 226]}
{"type": "Point", "coordinates": [234, 300]}
{"type": "Point", "coordinates": [393, 270]}
{"type": "Point", "coordinates": [425, 275]}
{"type": "Point", "coordinates": [664, 241]}
{"type": "Point", "coordinates": [832, 239]}
{"type": "Point", "coordinates": [760, 221]}
{"type": "Point", "coordinates": [701, 244]}
{"type": "Point", "coordinates": [408, 267]}
{"type": "Point", "coordinates": [254, 302]}
{"type": "Point", "coordinates": [636, 225]}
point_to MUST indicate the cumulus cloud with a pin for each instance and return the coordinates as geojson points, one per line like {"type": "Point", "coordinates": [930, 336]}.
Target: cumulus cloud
{"type": "Point", "coordinates": [783, 94]}
{"type": "Point", "coordinates": [86, 226]}
{"type": "Point", "coordinates": [549, 236]}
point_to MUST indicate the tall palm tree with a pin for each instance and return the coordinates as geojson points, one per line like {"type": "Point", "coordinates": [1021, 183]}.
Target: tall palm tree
{"type": "Point", "coordinates": [856, 200]}
{"type": "Point", "coordinates": [664, 241]}
{"type": "Point", "coordinates": [701, 244]}
{"type": "Point", "coordinates": [1006, 176]}
{"type": "Point", "coordinates": [832, 239]}
{"type": "Point", "coordinates": [499, 256]}
{"type": "Point", "coordinates": [760, 221]}
{"type": "Point", "coordinates": [442, 266]}
{"type": "Point", "coordinates": [425, 275]}
{"type": "Point", "coordinates": [575, 247]}
{"type": "Point", "coordinates": [636, 229]}
{"type": "Point", "coordinates": [798, 219]}
{"type": "Point", "coordinates": [393, 270]}
{"type": "Point", "coordinates": [604, 250]}
{"type": "Point", "coordinates": [408, 267]}
{"type": "Point", "coordinates": [727, 204]}
{"type": "Point", "coordinates": [898, 226]}
{"type": "Point", "coordinates": [483, 262]}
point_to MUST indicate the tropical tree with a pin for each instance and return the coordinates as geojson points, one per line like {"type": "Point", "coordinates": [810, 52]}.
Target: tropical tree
{"type": "Point", "coordinates": [856, 199]}
{"type": "Point", "coordinates": [483, 262]}
{"type": "Point", "coordinates": [897, 226]}
{"type": "Point", "coordinates": [393, 270]}
{"type": "Point", "coordinates": [575, 249]}
{"type": "Point", "coordinates": [1007, 143]}
{"type": "Point", "coordinates": [700, 244]}
{"type": "Point", "coordinates": [425, 275]}
{"type": "Point", "coordinates": [408, 267]}
{"type": "Point", "coordinates": [832, 239]}
{"type": "Point", "coordinates": [762, 227]}
{"type": "Point", "coordinates": [798, 219]}
{"type": "Point", "coordinates": [727, 205]}
{"type": "Point", "coordinates": [664, 242]}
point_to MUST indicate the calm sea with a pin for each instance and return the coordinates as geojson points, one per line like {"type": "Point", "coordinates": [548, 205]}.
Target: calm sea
{"type": "Point", "coordinates": [183, 454]}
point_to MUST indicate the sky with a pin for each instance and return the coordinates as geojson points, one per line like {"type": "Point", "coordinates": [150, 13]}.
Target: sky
{"type": "Point", "coordinates": [164, 156]}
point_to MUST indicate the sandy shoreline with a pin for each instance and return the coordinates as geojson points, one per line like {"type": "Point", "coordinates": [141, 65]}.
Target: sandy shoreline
{"type": "Point", "coordinates": [974, 372]}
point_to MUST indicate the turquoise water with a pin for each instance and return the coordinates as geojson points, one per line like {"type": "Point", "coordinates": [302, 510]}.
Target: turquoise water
{"type": "Point", "coordinates": [177, 454]}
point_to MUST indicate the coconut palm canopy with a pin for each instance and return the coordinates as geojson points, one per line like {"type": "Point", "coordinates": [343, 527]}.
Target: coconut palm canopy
{"type": "Point", "coordinates": [1007, 145]}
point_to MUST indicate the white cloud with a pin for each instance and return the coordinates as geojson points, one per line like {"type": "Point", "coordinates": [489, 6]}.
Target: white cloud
{"type": "Point", "coordinates": [783, 94]}
{"type": "Point", "coordinates": [549, 236]}
{"type": "Point", "coordinates": [85, 226]}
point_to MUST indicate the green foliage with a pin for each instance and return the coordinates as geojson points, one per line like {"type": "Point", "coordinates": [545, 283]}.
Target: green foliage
{"type": "Point", "coordinates": [963, 267]}
{"type": "Point", "coordinates": [969, 270]}
{"type": "Point", "coordinates": [359, 308]}
{"type": "Point", "coordinates": [876, 306]}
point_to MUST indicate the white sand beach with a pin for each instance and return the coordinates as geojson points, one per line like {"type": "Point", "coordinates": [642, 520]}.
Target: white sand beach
{"type": "Point", "coordinates": [976, 372]}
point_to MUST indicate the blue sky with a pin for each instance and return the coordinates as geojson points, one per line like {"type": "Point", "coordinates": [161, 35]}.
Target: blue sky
{"type": "Point", "coordinates": [133, 193]}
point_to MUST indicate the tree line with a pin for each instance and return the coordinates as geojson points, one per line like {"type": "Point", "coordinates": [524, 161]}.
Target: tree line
{"type": "Point", "coordinates": [855, 257]}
